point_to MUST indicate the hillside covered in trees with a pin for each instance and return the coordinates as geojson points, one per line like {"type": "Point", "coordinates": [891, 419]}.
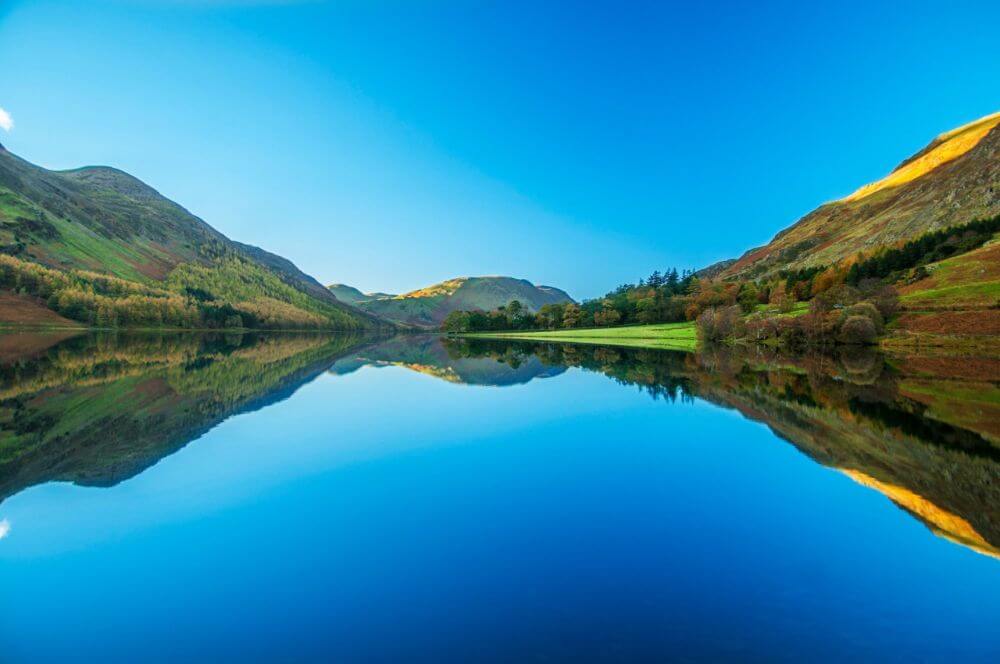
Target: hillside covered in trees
{"type": "Point", "coordinates": [98, 247]}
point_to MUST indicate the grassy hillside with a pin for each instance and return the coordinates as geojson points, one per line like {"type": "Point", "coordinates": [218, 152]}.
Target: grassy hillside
{"type": "Point", "coordinates": [351, 295]}
{"type": "Point", "coordinates": [953, 180]}
{"type": "Point", "coordinates": [99, 247]}
{"type": "Point", "coordinates": [967, 281]}
{"type": "Point", "coordinates": [957, 302]}
{"type": "Point", "coordinates": [428, 307]}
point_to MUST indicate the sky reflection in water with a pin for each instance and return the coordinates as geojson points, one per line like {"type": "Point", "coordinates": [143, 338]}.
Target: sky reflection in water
{"type": "Point", "coordinates": [276, 498]}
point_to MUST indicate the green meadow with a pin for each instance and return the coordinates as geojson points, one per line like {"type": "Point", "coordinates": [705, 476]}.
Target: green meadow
{"type": "Point", "coordinates": [671, 336]}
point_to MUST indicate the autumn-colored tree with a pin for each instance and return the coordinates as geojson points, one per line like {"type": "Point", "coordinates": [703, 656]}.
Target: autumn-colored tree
{"type": "Point", "coordinates": [571, 315]}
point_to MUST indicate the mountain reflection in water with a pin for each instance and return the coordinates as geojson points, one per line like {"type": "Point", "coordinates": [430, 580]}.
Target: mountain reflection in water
{"type": "Point", "coordinates": [96, 410]}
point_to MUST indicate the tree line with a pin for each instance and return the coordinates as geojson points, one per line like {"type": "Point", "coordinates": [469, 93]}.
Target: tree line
{"type": "Point", "coordinates": [229, 293]}
{"type": "Point", "coordinates": [927, 248]}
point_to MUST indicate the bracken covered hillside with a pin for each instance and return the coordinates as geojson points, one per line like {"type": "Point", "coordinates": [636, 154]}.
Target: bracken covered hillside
{"type": "Point", "coordinates": [954, 180]}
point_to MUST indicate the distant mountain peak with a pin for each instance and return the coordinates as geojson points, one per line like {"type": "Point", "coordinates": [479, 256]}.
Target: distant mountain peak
{"type": "Point", "coordinates": [428, 306]}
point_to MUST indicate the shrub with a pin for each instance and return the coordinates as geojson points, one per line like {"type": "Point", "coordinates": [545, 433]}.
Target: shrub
{"type": "Point", "coordinates": [858, 330]}
{"type": "Point", "coordinates": [705, 325]}
{"type": "Point", "coordinates": [885, 298]}
{"type": "Point", "coordinates": [868, 310]}
{"type": "Point", "coordinates": [720, 323]}
{"type": "Point", "coordinates": [842, 295]}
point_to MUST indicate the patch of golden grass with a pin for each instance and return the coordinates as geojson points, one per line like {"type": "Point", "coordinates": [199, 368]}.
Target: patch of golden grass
{"type": "Point", "coordinates": [444, 288]}
{"type": "Point", "coordinates": [949, 146]}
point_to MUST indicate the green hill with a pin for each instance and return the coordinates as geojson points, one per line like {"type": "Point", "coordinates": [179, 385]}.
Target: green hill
{"type": "Point", "coordinates": [100, 247]}
{"type": "Point", "coordinates": [429, 306]}
{"type": "Point", "coordinates": [351, 295]}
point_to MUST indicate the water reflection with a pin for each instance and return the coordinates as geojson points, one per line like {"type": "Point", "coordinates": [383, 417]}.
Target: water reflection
{"type": "Point", "coordinates": [451, 361]}
{"type": "Point", "coordinates": [922, 430]}
{"type": "Point", "coordinates": [97, 410]}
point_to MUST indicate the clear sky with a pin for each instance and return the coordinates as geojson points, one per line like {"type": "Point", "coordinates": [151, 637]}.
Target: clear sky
{"type": "Point", "coordinates": [581, 144]}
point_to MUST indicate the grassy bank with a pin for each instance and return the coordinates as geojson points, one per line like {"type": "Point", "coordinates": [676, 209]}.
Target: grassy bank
{"type": "Point", "coordinates": [671, 336]}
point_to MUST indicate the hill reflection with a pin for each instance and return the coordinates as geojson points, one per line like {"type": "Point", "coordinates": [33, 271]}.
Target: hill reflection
{"type": "Point", "coordinates": [922, 430]}
{"type": "Point", "coordinates": [96, 410]}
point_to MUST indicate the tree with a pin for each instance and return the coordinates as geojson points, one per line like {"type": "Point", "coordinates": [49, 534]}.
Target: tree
{"type": "Point", "coordinates": [672, 280]}
{"type": "Point", "coordinates": [515, 314]}
{"type": "Point", "coordinates": [646, 310]}
{"type": "Point", "coordinates": [571, 315]}
{"type": "Point", "coordinates": [720, 323]}
{"type": "Point", "coordinates": [607, 316]}
{"type": "Point", "coordinates": [456, 322]}
{"type": "Point", "coordinates": [550, 316]}
{"type": "Point", "coordinates": [748, 297]}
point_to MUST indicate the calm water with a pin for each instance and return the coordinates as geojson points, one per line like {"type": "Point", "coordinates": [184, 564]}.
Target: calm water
{"type": "Point", "coordinates": [340, 499]}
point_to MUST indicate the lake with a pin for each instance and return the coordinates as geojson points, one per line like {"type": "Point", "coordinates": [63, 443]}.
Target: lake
{"type": "Point", "coordinates": [308, 497]}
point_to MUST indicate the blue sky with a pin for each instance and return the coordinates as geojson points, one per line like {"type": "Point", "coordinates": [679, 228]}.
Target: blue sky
{"type": "Point", "coordinates": [394, 144]}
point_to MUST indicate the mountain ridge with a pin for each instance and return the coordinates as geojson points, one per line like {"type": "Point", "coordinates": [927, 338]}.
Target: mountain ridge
{"type": "Point", "coordinates": [954, 179]}
{"type": "Point", "coordinates": [65, 233]}
{"type": "Point", "coordinates": [427, 307]}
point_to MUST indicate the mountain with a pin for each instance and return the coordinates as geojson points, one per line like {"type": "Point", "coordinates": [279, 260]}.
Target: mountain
{"type": "Point", "coordinates": [954, 180]}
{"type": "Point", "coordinates": [351, 295]}
{"type": "Point", "coordinates": [429, 306]}
{"type": "Point", "coordinates": [84, 241]}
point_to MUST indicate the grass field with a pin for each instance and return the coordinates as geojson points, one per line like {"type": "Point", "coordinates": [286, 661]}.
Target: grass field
{"type": "Point", "coordinates": [967, 281]}
{"type": "Point", "coordinates": [671, 336]}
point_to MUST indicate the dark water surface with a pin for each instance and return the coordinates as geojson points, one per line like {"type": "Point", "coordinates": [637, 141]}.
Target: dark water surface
{"type": "Point", "coordinates": [288, 498]}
